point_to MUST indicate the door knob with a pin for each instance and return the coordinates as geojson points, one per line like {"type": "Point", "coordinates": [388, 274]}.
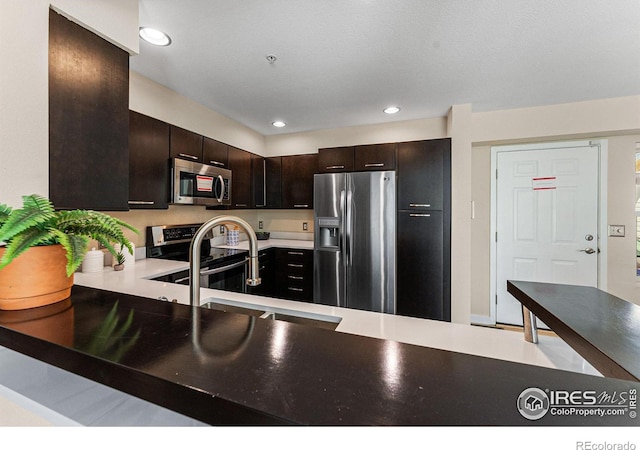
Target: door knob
{"type": "Point", "coordinates": [588, 250]}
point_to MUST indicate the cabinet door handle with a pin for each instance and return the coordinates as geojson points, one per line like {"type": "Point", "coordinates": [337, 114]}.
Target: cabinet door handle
{"type": "Point", "coordinates": [185, 155]}
{"type": "Point", "coordinates": [295, 289]}
{"type": "Point", "coordinates": [334, 167]}
{"type": "Point", "coordinates": [419, 215]}
{"type": "Point", "coordinates": [298, 266]}
{"type": "Point", "coordinates": [295, 253]}
{"type": "Point", "coordinates": [242, 205]}
{"type": "Point", "coordinates": [140, 202]}
{"type": "Point", "coordinates": [293, 277]}
{"type": "Point", "coordinates": [374, 165]}
{"type": "Point", "coordinates": [216, 163]}
{"type": "Point", "coordinates": [419, 205]}
{"type": "Point", "coordinates": [300, 206]}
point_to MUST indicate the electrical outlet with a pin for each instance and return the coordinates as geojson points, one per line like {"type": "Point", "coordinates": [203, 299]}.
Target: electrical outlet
{"type": "Point", "coordinates": [221, 229]}
{"type": "Point", "coordinates": [305, 226]}
{"type": "Point", "coordinates": [616, 230]}
{"type": "Point", "coordinates": [260, 225]}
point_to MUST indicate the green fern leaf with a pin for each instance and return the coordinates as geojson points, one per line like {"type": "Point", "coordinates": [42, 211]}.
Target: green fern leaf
{"type": "Point", "coordinates": [23, 241]}
{"type": "Point", "coordinates": [36, 212]}
{"type": "Point", "coordinates": [76, 247]}
{"type": "Point", "coordinates": [5, 212]}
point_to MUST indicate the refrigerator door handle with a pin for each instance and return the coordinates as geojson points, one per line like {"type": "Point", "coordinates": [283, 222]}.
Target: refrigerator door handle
{"type": "Point", "coordinates": [343, 235]}
{"type": "Point", "coordinates": [349, 228]}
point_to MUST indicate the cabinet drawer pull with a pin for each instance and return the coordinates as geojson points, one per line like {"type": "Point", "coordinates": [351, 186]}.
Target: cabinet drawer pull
{"type": "Point", "coordinates": [140, 202]}
{"type": "Point", "coordinates": [216, 163]}
{"type": "Point", "coordinates": [419, 215]}
{"type": "Point", "coordinates": [295, 253]}
{"type": "Point", "coordinates": [300, 206]}
{"type": "Point", "coordinates": [419, 205]}
{"type": "Point", "coordinates": [295, 289]}
{"type": "Point", "coordinates": [297, 266]}
{"type": "Point", "coordinates": [334, 167]}
{"type": "Point", "coordinates": [241, 204]}
{"type": "Point", "coordinates": [293, 277]}
{"type": "Point", "coordinates": [185, 155]}
{"type": "Point", "coordinates": [374, 165]}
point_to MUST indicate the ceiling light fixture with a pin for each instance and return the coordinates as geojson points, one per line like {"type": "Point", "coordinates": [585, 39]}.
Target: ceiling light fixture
{"type": "Point", "coordinates": [279, 124]}
{"type": "Point", "coordinates": [391, 110]}
{"type": "Point", "coordinates": [155, 37]}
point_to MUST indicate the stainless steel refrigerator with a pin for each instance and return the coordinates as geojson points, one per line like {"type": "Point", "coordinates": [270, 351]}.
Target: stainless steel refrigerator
{"type": "Point", "coordinates": [355, 240]}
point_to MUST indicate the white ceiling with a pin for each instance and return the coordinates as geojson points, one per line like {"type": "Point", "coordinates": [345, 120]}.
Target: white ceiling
{"type": "Point", "coordinates": [340, 62]}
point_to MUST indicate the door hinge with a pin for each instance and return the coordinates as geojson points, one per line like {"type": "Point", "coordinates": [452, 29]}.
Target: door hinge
{"type": "Point", "coordinates": [496, 174]}
{"type": "Point", "coordinates": [496, 236]}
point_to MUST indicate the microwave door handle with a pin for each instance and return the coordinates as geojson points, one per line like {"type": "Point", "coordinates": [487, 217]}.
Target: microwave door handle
{"type": "Point", "coordinates": [221, 189]}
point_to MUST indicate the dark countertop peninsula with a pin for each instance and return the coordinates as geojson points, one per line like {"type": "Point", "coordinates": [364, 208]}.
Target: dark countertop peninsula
{"type": "Point", "coordinates": [226, 368]}
{"type": "Point", "coordinates": [601, 327]}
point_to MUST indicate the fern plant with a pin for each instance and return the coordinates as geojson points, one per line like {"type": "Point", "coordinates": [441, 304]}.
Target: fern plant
{"type": "Point", "coordinates": [38, 223]}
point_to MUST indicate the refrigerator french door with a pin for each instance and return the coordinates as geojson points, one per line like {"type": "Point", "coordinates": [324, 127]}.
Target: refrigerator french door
{"type": "Point", "coordinates": [355, 240]}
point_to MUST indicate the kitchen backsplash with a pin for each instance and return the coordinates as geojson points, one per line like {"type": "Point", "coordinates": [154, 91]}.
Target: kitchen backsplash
{"type": "Point", "coordinates": [282, 222]}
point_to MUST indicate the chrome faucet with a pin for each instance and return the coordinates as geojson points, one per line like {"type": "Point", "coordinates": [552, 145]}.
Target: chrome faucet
{"type": "Point", "coordinates": [194, 254]}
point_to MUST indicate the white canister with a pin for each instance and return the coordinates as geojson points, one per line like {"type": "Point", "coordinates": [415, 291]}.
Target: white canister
{"type": "Point", "coordinates": [93, 261]}
{"type": "Point", "coordinates": [233, 237]}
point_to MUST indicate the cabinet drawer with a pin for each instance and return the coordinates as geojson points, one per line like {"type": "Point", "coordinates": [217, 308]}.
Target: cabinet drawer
{"type": "Point", "coordinates": [375, 157]}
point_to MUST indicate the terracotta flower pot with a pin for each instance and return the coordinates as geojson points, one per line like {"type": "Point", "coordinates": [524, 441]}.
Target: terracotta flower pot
{"type": "Point", "coordinates": [37, 277]}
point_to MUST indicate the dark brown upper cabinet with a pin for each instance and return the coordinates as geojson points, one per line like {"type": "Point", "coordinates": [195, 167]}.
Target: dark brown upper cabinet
{"type": "Point", "coordinates": [424, 181]}
{"type": "Point", "coordinates": [215, 153]}
{"type": "Point", "coordinates": [88, 119]}
{"type": "Point", "coordinates": [297, 180]}
{"type": "Point", "coordinates": [258, 181]}
{"type": "Point", "coordinates": [336, 159]}
{"type": "Point", "coordinates": [273, 171]}
{"type": "Point", "coordinates": [148, 162]}
{"type": "Point", "coordinates": [375, 157]}
{"type": "Point", "coordinates": [240, 166]}
{"type": "Point", "coordinates": [186, 144]}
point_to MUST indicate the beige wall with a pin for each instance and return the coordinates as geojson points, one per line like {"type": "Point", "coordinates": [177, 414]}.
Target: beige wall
{"type": "Point", "coordinates": [150, 98]}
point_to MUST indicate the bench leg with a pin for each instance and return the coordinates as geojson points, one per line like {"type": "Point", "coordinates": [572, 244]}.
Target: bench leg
{"type": "Point", "coordinates": [530, 327]}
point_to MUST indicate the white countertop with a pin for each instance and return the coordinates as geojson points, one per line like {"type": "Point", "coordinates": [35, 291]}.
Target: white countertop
{"type": "Point", "coordinates": [482, 341]}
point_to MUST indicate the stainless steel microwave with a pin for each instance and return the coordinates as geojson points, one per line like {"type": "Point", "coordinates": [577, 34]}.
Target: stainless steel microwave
{"type": "Point", "coordinates": [194, 183]}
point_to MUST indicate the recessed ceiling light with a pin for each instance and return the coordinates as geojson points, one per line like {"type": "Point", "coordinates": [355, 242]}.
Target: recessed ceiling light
{"type": "Point", "coordinates": [391, 110]}
{"type": "Point", "coordinates": [155, 37]}
{"type": "Point", "coordinates": [279, 124]}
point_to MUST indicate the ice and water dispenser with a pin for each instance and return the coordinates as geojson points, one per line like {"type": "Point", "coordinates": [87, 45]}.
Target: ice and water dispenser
{"type": "Point", "coordinates": [328, 229]}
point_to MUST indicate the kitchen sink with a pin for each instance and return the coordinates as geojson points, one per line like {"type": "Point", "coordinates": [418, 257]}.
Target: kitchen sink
{"type": "Point", "coordinates": [273, 313]}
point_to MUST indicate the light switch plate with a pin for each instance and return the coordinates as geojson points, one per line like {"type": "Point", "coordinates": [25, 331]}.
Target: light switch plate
{"type": "Point", "coordinates": [616, 230]}
{"type": "Point", "coordinates": [305, 226]}
{"type": "Point", "coordinates": [260, 225]}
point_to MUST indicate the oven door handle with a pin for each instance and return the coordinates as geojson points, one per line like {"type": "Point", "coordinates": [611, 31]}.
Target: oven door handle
{"type": "Point", "coordinates": [224, 268]}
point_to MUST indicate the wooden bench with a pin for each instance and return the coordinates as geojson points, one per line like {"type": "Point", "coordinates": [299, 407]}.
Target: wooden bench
{"type": "Point", "coordinates": [602, 328]}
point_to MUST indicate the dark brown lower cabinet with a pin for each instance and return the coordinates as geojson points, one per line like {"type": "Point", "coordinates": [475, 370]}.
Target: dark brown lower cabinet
{"type": "Point", "coordinates": [294, 274]}
{"type": "Point", "coordinates": [423, 265]}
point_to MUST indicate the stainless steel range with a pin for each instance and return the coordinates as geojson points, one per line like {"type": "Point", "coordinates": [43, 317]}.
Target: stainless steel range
{"type": "Point", "coordinates": [220, 268]}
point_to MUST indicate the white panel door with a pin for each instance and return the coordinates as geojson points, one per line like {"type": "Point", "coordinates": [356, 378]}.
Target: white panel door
{"type": "Point", "coordinates": [546, 221]}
